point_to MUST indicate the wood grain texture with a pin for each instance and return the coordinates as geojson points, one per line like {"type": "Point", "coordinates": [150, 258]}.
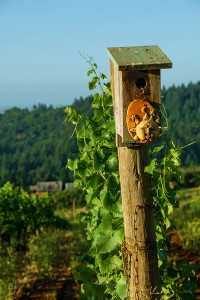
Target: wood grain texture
{"type": "Point", "coordinates": [139, 224]}
{"type": "Point", "coordinates": [116, 95]}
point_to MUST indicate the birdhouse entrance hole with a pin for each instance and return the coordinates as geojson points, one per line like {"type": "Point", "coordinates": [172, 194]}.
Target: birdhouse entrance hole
{"type": "Point", "coordinates": [141, 83]}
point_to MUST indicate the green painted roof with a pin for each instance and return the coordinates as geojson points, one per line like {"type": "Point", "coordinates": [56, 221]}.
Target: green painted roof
{"type": "Point", "coordinates": [139, 58]}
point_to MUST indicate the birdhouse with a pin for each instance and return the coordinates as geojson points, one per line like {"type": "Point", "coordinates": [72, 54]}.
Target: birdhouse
{"type": "Point", "coordinates": [136, 89]}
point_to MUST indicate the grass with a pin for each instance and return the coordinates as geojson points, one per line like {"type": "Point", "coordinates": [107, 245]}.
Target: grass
{"type": "Point", "coordinates": [186, 218]}
{"type": "Point", "coordinates": [52, 247]}
{"type": "Point", "coordinates": [8, 273]}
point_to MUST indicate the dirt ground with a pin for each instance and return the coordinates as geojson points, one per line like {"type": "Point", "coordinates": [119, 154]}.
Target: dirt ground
{"type": "Point", "coordinates": [61, 285]}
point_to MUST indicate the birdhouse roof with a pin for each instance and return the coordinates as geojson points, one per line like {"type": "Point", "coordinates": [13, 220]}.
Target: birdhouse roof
{"type": "Point", "coordinates": [138, 58]}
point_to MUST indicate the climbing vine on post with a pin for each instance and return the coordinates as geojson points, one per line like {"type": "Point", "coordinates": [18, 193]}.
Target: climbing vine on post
{"type": "Point", "coordinates": [96, 171]}
{"type": "Point", "coordinates": [178, 280]}
{"type": "Point", "coordinates": [102, 273]}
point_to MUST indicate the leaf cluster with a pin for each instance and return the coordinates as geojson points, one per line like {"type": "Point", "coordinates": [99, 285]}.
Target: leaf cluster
{"type": "Point", "coordinates": [96, 171]}
{"type": "Point", "coordinates": [177, 280]}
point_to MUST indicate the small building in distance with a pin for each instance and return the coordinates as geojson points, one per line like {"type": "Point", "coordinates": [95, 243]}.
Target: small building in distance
{"type": "Point", "coordinates": [32, 189]}
{"type": "Point", "coordinates": [69, 186]}
{"type": "Point", "coordinates": [50, 186]}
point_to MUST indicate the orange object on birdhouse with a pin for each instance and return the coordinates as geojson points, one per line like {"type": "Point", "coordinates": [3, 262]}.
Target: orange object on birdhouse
{"type": "Point", "coordinates": [143, 121]}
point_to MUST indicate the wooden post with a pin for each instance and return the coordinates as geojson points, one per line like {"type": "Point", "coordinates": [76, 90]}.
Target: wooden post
{"type": "Point", "coordinates": [140, 241]}
{"type": "Point", "coordinates": [135, 81]}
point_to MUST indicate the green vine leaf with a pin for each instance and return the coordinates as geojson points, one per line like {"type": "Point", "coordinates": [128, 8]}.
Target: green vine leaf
{"type": "Point", "coordinates": [98, 160]}
{"type": "Point", "coordinates": [121, 288]}
{"type": "Point", "coordinates": [84, 273]}
{"type": "Point", "coordinates": [93, 83]}
{"type": "Point", "coordinates": [106, 225]}
{"type": "Point", "coordinates": [108, 263]}
{"type": "Point", "coordinates": [112, 184]}
{"type": "Point", "coordinates": [103, 76]}
{"type": "Point", "coordinates": [89, 72]}
{"type": "Point", "coordinates": [105, 243]}
{"type": "Point", "coordinates": [72, 164]}
{"type": "Point", "coordinates": [152, 167]}
{"type": "Point", "coordinates": [93, 291]}
{"type": "Point", "coordinates": [112, 163]}
{"type": "Point", "coordinates": [158, 149]}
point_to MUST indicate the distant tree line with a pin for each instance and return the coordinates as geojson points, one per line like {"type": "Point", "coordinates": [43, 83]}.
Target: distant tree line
{"type": "Point", "coordinates": [183, 109]}
{"type": "Point", "coordinates": [36, 144]}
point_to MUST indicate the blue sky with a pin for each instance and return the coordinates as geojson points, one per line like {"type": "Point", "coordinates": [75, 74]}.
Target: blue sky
{"type": "Point", "coordinates": [40, 41]}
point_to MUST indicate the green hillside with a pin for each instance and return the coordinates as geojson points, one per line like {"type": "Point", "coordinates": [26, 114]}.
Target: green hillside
{"type": "Point", "coordinates": [183, 109]}
{"type": "Point", "coordinates": [36, 144]}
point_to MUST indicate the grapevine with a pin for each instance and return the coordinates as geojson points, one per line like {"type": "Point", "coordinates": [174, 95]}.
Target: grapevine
{"type": "Point", "coordinates": [100, 272]}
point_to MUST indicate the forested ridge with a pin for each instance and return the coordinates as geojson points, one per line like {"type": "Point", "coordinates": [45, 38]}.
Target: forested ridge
{"type": "Point", "coordinates": [36, 144]}
{"type": "Point", "coordinates": [183, 109]}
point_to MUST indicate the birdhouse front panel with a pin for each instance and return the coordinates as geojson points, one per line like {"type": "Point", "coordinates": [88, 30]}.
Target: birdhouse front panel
{"type": "Point", "coordinates": [135, 81]}
{"type": "Point", "coordinates": [128, 86]}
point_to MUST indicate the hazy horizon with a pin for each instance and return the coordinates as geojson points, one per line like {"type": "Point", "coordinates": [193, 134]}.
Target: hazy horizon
{"type": "Point", "coordinates": [56, 104]}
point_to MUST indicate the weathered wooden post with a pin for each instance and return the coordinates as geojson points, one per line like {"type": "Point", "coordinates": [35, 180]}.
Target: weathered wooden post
{"type": "Point", "coordinates": [135, 80]}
